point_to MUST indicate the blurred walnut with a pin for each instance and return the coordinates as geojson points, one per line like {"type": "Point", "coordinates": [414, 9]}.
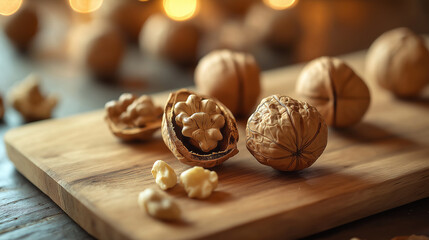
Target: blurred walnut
{"type": "Point", "coordinates": [27, 99]}
{"type": "Point", "coordinates": [277, 28]}
{"type": "Point", "coordinates": [399, 61]}
{"type": "Point", "coordinates": [230, 77]}
{"type": "Point", "coordinates": [335, 90]}
{"type": "Point", "coordinates": [201, 121]}
{"type": "Point", "coordinates": [98, 47]}
{"type": "Point", "coordinates": [199, 130]}
{"type": "Point", "coordinates": [286, 134]}
{"type": "Point", "coordinates": [158, 205]}
{"type": "Point", "coordinates": [164, 37]}
{"type": "Point", "coordinates": [235, 7]}
{"type": "Point", "coordinates": [128, 15]}
{"type": "Point", "coordinates": [1, 108]}
{"type": "Point", "coordinates": [132, 118]}
{"type": "Point", "coordinates": [22, 26]}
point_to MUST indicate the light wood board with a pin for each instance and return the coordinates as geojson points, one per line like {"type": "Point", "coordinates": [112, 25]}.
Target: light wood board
{"type": "Point", "coordinates": [379, 164]}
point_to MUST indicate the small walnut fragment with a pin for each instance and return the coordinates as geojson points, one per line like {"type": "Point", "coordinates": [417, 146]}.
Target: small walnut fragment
{"type": "Point", "coordinates": [286, 134]}
{"type": "Point", "coordinates": [158, 205]}
{"type": "Point", "coordinates": [199, 182]}
{"type": "Point", "coordinates": [338, 93]}
{"type": "Point", "coordinates": [132, 118]}
{"type": "Point", "coordinates": [1, 108]}
{"type": "Point", "coordinates": [28, 100]}
{"type": "Point", "coordinates": [164, 175]}
{"type": "Point", "coordinates": [199, 130]}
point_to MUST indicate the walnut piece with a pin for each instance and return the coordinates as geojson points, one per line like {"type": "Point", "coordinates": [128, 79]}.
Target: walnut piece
{"type": "Point", "coordinates": [398, 61]}
{"type": "Point", "coordinates": [132, 118]}
{"type": "Point", "coordinates": [286, 134]}
{"type": "Point", "coordinates": [164, 175]}
{"type": "Point", "coordinates": [199, 182]}
{"type": "Point", "coordinates": [1, 108]}
{"type": "Point", "coordinates": [201, 120]}
{"type": "Point", "coordinates": [231, 77]}
{"type": "Point", "coordinates": [337, 92]}
{"type": "Point", "coordinates": [27, 99]}
{"type": "Point", "coordinates": [158, 205]}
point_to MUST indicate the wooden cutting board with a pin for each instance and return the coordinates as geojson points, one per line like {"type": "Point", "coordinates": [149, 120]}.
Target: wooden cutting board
{"type": "Point", "coordinates": [379, 164]}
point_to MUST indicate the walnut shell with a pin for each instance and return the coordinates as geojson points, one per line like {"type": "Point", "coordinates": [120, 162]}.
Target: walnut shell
{"type": "Point", "coordinates": [181, 146]}
{"type": "Point", "coordinates": [232, 78]}
{"type": "Point", "coordinates": [286, 134]}
{"type": "Point", "coordinates": [22, 26]}
{"type": "Point", "coordinates": [1, 108]}
{"type": "Point", "coordinates": [337, 92]}
{"type": "Point", "coordinates": [399, 61]}
{"type": "Point", "coordinates": [131, 119]}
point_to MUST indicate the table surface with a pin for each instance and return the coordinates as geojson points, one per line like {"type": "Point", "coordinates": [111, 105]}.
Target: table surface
{"type": "Point", "coordinates": [25, 212]}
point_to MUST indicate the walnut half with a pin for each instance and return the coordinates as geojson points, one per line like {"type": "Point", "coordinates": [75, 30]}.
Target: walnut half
{"type": "Point", "coordinates": [132, 118]}
{"type": "Point", "coordinates": [199, 130]}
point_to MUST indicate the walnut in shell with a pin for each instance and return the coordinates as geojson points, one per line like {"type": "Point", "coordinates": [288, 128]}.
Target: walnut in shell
{"type": "Point", "coordinates": [230, 77]}
{"type": "Point", "coordinates": [28, 100]}
{"type": "Point", "coordinates": [1, 108]}
{"type": "Point", "coordinates": [22, 26]}
{"type": "Point", "coordinates": [399, 61]}
{"type": "Point", "coordinates": [286, 134]}
{"type": "Point", "coordinates": [199, 130]}
{"type": "Point", "coordinates": [132, 118]}
{"type": "Point", "coordinates": [337, 92]}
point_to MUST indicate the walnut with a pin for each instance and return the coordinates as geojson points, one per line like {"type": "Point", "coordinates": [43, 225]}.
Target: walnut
{"type": "Point", "coordinates": [230, 77]}
{"type": "Point", "coordinates": [286, 134]}
{"type": "Point", "coordinates": [337, 92]}
{"type": "Point", "coordinates": [132, 118]}
{"type": "Point", "coordinates": [27, 99]}
{"type": "Point", "coordinates": [199, 130]}
{"type": "Point", "coordinates": [398, 61]}
{"type": "Point", "coordinates": [22, 27]}
{"type": "Point", "coordinates": [158, 205]}
{"type": "Point", "coordinates": [164, 37]}
{"type": "Point", "coordinates": [1, 108]}
{"type": "Point", "coordinates": [164, 175]}
{"type": "Point", "coordinates": [199, 182]}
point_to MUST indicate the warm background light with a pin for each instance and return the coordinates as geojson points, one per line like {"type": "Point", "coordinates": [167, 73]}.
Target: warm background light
{"type": "Point", "coordinates": [9, 7]}
{"type": "Point", "coordinates": [85, 6]}
{"type": "Point", "coordinates": [280, 4]}
{"type": "Point", "coordinates": [180, 10]}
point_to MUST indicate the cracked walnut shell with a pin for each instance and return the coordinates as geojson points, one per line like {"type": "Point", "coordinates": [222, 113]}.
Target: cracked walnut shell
{"type": "Point", "coordinates": [286, 134]}
{"type": "Point", "coordinates": [199, 130]}
{"type": "Point", "coordinates": [399, 61]}
{"type": "Point", "coordinates": [337, 92]}
{"type": "Point", "coordinates": [28, 100]}
{"type": "Point", "coordinates": [132, 118]}
{"type": "Point", "coordinates": [232, 78]}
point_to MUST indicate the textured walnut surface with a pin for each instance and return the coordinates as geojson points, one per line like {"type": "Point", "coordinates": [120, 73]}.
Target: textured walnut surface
{"type": "Point", "coordinates": [399, 61]}
{"type": "Point", "coordinates": [337, 92]}
{"type": "Point", "coordinates": [286, 134]}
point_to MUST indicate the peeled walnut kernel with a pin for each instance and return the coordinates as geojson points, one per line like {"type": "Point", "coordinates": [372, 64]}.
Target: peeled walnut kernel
{"type": "Point", "coordinates": [230, 77]}
{"type": "Point", "coordinates": [132, 118]}
{"type": "Point", "coordinates": [158, 205]}
{"type": "Point", "coordinates": [399, 62]}
{"type": "Point", "coordinates": [199, 130]}
{"type": "Point", "coordinates": [199, 182]}
{"type": "Point", "coordinates": [164, 175]}
{"type": "Point", "coordinates": [27, 99]}
{"type": "Point", "coordinates": [337, 92]}
{"type": "Point", "coordinates": [286, 134]}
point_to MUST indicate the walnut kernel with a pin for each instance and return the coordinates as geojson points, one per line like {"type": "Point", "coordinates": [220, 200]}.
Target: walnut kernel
{"type": "Point", "coordinates": [158, 205]}
{"type": "Point", "coordinates": [199, 182]}
{"type": "Point", "coordinates": [132, 118]}
{"type": "Point", "coordinates": [27, 99]}
{"type": "Point", "coordinates": [337, 92]}
{"type": "Point", "coordinates": [286, 134]}
{"type": "Point", "coordinates": [199, 130]}
{"type": "Point", "coordinates": [164, 175]}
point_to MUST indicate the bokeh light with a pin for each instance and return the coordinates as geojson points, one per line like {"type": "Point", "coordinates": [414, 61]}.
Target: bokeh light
{"type": "Point", "coordinates": [280, 4]}
{"type": "Point", "coordinates": [180, 10]}
{"type": "Point", "coordinates": [9, 7]}
{"type": "Point", "coordinates": [85, 6]}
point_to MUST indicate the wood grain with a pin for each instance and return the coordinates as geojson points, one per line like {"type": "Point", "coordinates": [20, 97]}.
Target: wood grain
{"type": "Point", "coordinates": [377, 165]}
